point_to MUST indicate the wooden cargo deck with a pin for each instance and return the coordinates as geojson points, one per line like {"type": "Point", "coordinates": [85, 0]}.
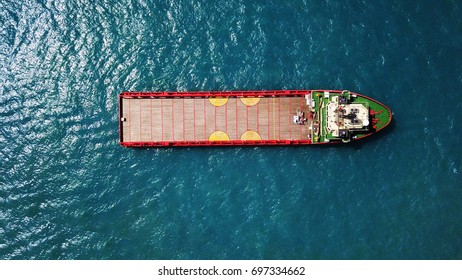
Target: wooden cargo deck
{"type": "Point", "coordinates": [180, 119]}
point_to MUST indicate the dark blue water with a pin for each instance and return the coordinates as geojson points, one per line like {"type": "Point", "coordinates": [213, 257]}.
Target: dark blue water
{"type": "Point", "coordinates": [68, 191]}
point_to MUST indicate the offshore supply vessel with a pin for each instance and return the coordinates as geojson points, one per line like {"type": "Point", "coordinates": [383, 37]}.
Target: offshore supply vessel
{"type": "Point", "coordinates": [265, 117]}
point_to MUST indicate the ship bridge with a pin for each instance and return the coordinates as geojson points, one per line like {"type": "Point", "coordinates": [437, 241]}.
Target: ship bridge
{"type": "Point", "coordinates": [343, 117]}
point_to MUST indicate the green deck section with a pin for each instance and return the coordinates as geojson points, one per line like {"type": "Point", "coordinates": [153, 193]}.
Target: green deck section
{"type": "Point", "coordinates": [383, 116]}
{"type": "Point", "coordinates": [317, 97]}
{"type": "Point", "coordinates": [380, 115]}
{"type": "Point", "coordinates": [321, 110]}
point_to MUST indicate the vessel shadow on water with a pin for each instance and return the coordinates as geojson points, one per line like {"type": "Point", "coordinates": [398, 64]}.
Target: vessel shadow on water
{"type": "Point", "coordinates": [248, 118]}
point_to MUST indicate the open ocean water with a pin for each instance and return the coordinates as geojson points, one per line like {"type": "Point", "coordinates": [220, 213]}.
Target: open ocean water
{"type": "Point", "coordinates": [69, 191]}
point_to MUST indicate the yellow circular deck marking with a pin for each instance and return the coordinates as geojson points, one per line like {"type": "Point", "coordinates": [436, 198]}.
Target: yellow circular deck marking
{"type": "Point", "coordinates": [250, 135]}
{"type": "Point", "coordinates": [219, 136]}
{"type": "Point", "coordinates": [250, 101]}
{"type": "Point", "coordinates": [218, 101]}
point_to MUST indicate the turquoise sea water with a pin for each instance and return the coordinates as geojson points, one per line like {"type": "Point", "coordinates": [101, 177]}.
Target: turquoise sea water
{"type": "Point", "coordinates": [69, 191]}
